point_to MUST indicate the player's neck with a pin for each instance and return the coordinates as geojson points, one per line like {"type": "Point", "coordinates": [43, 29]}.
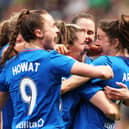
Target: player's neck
{"type": "Point", "coordinates": [123, 52]}
{"type": "Point", "coordinates": [32, 45]}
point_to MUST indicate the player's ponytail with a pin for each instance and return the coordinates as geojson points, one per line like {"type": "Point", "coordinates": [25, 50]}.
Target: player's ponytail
{"type": "Point", "coordinates": [13, 37]}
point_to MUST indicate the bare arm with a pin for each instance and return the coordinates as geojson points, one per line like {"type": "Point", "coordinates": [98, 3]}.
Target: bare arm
{"type": "Point", "coordinates": [110, 109]}
{"type": "Point", "coordinates": [3, 98]}
{"type": "Point", "coordinates": [103, 72]}
{"type": "Point", "coordinates": [73, 82]}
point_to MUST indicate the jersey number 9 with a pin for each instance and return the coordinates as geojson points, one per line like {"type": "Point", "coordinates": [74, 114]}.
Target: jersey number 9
{"type": "Point", "coordinates": [31, 98]}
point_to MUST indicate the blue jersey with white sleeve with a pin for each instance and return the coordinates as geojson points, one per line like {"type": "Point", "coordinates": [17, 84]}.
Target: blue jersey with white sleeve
{"type": "Point", "coordinates": [33, 80]}
{"type": "Point", "coordinates": [91, 117]}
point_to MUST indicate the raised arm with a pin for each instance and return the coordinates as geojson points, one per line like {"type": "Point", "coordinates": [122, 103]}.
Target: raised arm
{"type": "Point", "coordinates": [103, 72]}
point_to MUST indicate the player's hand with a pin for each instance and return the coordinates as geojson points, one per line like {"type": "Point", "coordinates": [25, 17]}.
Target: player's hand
{"type": "Point", "coordinates": [117, 94]}
{"type": "Point", "coordinates": [60, 48]}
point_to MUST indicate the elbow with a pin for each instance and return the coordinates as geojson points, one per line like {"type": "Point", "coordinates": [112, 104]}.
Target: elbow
{"type": "Point", "coordinates": [113, 114]}
{"type": "Point", "coordinates": [107, 75]}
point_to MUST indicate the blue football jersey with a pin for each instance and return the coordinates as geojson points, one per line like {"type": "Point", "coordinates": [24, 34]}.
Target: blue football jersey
{"type": "Point", "coordinates": [120, 69]}
{"type": "Point", "coordinates": [7, 115]}
{"type": "Point", "coordinates": [7, 111]}
{"type": "Point", "coordinates": [33, 80]}
{"type": "Point", "coordinates": [71, 102]}
{"type": "Point", "coordinates": [87, 115]}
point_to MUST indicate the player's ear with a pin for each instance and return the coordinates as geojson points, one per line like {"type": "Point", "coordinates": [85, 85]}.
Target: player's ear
{"type": "Point", "coordinates": [116, 42]}
{"type": "Point", "coordinates": [38, 33]}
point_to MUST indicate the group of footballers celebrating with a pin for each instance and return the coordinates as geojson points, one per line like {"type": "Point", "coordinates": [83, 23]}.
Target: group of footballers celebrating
{"type": "Point", "coordinates": [57, 75]}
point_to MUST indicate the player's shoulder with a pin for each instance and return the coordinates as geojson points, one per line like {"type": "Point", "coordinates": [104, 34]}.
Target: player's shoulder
{"type": "Point", "coordinates": [107, 58]}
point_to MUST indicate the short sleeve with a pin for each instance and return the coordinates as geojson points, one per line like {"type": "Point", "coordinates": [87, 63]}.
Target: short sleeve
{"type": "Point", "coordinates": [88, 90]}
{"type": "Point", "coordinates": [62, 64]}
{"type": "Point", "coordinates": [102, 60]}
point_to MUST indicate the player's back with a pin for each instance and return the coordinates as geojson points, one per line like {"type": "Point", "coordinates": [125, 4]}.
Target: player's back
{"type": "Point", "coordinates": [120, 66]}
{"type": "Point", "coordinates": [33, 79]}
{"type": "Point", "coordinates": [88, 116]}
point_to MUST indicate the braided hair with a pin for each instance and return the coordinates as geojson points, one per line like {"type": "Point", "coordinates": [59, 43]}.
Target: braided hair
{"type": "Point", "coordinates": [27, 22]}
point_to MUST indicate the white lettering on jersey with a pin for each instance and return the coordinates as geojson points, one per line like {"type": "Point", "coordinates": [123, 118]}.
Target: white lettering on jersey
{"type": "Point", "coordinates": [25, 67]}
{"type": "Point", "coordinates": [125, 77]}
{"type": "Point", "coordinates": [109, 125]}
{"type": "Point", "coordinates": [28, 124]}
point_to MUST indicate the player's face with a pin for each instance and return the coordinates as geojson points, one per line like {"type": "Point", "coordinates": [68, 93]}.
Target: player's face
{"type": "Point", "coordinates": [89, 27]}
{"type": "Point", "coordinates": [50, 32]}
{"type": "Point", "coordinates": [77, 49]}
{"type": "Point", "coordinates": [103, 41]}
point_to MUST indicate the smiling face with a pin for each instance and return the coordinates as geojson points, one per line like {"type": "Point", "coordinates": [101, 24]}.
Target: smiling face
{"type": "Point", "coordinates": [108, 45]}
{"type": "Point", "coordinates": [50, 32]}
{"type": "Point", "coordinates": [76, 50]}
{"type": "Point", "coordinates": [89, 26]}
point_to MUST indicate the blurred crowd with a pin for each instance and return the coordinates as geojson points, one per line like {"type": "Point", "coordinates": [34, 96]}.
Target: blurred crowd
{"type": "Point", "coordinates": [65, 9]}
{"type": "Point", "coordinates": [112, 38]}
